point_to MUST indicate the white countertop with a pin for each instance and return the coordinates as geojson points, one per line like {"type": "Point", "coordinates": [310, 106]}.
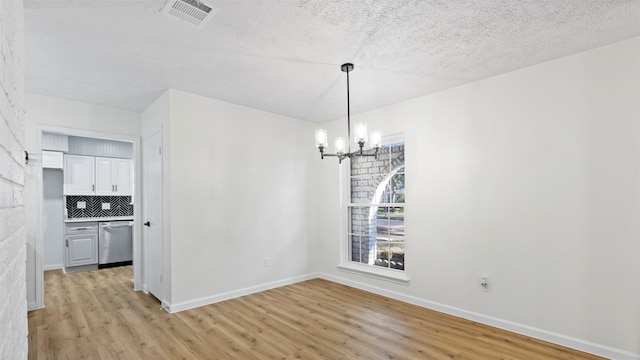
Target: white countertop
{"type": "Point", "coordinates": [119, 218]}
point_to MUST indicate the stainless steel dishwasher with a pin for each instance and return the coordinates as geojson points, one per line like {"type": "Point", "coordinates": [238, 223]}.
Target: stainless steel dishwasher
{"type": "Point", "coordinates": [115, 244]}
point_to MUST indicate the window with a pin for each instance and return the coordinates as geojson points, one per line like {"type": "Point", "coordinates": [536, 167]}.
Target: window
{"type": "Point", "coordinates": [376, 211]}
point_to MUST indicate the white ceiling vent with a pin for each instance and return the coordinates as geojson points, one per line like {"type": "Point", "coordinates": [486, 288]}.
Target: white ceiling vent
{"type": "Point", "coordinates": [192, 11]}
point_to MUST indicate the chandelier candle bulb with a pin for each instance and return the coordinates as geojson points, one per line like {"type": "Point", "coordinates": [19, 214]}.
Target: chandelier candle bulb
{"type": "Point", "coordinates": [361, 133]}
{"type": "Point", "coordinates": [321, 138]}
{"type": "Point", "coordinates": [340, 145]}
{"type": "Point", "coordinates": [376, 139]}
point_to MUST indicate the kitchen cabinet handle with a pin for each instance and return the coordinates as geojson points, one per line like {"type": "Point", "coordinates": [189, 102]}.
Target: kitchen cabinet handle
{"type": "Point", "coordinates": [116, 187]}
{"type": "Point", "coordinates": [115, 226]}
{"type": "Point", "coordinates": [67, 241]}
{"type": "Point", "coordinates": [93, 187]}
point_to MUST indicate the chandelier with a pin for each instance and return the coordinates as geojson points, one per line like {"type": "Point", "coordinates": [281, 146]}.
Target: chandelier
{"type": "Point", "coordinates": [342, 146]}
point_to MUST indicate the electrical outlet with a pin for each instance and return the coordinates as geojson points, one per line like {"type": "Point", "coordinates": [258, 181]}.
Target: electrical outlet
{"type": "Point", "coordinates": [106, 206]}
{"type": "Point", "coordinates": [267, 261]}
{"type": "Point", "coordinates": [484, 284]}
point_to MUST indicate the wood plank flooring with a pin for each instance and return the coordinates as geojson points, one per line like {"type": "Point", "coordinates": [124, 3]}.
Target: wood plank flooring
{"type": "Point", "coordinates": [97, 315]}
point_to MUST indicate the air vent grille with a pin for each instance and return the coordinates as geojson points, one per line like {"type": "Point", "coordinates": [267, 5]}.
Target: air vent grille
{"type": "Point", "coordinates": [191, 11]}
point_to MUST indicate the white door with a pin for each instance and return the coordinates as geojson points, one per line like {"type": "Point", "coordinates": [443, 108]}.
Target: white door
{"type": "Point", "coordinates": [152, 231]}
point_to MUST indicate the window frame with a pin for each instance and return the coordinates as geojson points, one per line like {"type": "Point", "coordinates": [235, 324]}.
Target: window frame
{"type": "Point", "coordinates": [346, 264]}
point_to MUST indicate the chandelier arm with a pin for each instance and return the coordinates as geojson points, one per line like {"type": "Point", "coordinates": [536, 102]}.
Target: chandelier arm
{"type": "Point", "coordinates": [349, 155]}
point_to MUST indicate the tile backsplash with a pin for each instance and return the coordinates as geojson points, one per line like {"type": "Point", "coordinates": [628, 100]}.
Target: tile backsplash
{"type": "Point", "coordinates": [98, 206]}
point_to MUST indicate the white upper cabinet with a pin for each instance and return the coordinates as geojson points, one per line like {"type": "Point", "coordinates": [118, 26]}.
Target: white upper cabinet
{"type": "Point", "coordinates": [79, 175]}
{"type": "Point", "coordinates": [52, 159]}
{"type": "Point", "coordinates": [114, 176]}
{"type": "Point", "coordinates": [123, 176]}
{"type": "Point", "coordinates": [104, 185]}
{"type": "Point", "coordinates": [88, 175]}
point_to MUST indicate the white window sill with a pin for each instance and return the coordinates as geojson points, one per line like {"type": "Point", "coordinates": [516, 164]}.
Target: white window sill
{"type": "Point", "coordinates": [392, 275]}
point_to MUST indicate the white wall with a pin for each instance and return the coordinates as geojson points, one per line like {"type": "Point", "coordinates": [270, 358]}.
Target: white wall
{"type": "Point", "coordinates": [55, 112]}
{"type": "Point", "coordinates": [53, 222]}
{"type": "Point", "coordinates": [531, 178]}
{"type": "Point", "coordinates": [13, 306]}
{"type": "Point", "coordinates": [47, 110]}
{"type": "Point", "coordinates": [239, 181]}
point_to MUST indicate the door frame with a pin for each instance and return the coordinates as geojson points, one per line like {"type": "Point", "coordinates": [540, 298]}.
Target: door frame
{"type": "Point", "coordinates": [138, 281]}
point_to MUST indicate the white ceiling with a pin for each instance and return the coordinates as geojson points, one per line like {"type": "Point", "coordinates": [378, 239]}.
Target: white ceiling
{"type": "Point", "coordinates": [284, 56]}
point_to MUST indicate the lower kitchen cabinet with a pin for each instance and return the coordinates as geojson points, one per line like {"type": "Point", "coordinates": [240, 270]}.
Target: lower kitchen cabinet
{"type": "Point", "coordinates": [81, 244]}
{"type": "Point", "coordinates": [82, 250]}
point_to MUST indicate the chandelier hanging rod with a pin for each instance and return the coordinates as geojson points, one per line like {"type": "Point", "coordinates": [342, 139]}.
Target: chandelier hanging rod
{"type": "Point", "coordinates": [361, 133]}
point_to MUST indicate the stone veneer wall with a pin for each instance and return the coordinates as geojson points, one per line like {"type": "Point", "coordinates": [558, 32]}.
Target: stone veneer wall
{"type": "Point", "coordinates": [366, 175]}
{"type": "Point", "coordinates": [13, 250]}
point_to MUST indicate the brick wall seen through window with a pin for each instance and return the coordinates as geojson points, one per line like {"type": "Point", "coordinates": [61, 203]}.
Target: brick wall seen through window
{"type": "Point", "coordinates": [376, 211]}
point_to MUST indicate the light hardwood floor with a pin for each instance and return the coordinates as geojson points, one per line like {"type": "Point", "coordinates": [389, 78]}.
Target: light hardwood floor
{"type": "Point", "coordinates": [97, 315]}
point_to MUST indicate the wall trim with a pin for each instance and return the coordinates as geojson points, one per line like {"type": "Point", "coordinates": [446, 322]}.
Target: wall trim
{"type": "Point", "coordinates": [186, 305]}
{"type": "Point", "coordinates": [52, 267]}
{"type": "Point", "coordinates": [529, 331]}
{"type": "Point", "coordinates": [164, 305]}
{"type": "Point", "coordinates": [31, 305]}
{"type": "Point", "coordinates": [141, 287]}
{"type": "Point", "coordinates": [394, 276]}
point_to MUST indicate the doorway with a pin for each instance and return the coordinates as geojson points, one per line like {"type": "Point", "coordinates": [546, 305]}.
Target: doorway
{"type": "Point", "coordinates": [35, 262]}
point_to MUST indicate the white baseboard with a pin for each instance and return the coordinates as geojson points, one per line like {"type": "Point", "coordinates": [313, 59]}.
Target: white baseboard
{"type": "Point", "coordinates": [165, 306]}
{"type": "Point", "coordinates": [186, 305]}
{"type": "Point", "coordinates": [31, 305]}
{"type": "Point", "coordinates": [52, 267]}
{"type": "Point", "coordinates": [529, 331]}
{"type": "Point", "coordinates": [142, 288]}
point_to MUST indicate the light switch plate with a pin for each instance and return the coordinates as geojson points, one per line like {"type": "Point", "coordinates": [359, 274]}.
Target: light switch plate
{"type": "Point", "coordinates": [106, 206]}
{"type": "Point", "coordinates": [81, 205]}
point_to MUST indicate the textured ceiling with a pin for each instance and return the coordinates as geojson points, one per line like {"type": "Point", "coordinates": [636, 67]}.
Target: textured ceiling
{"type": "Point", "coordinates": [284, 56]}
